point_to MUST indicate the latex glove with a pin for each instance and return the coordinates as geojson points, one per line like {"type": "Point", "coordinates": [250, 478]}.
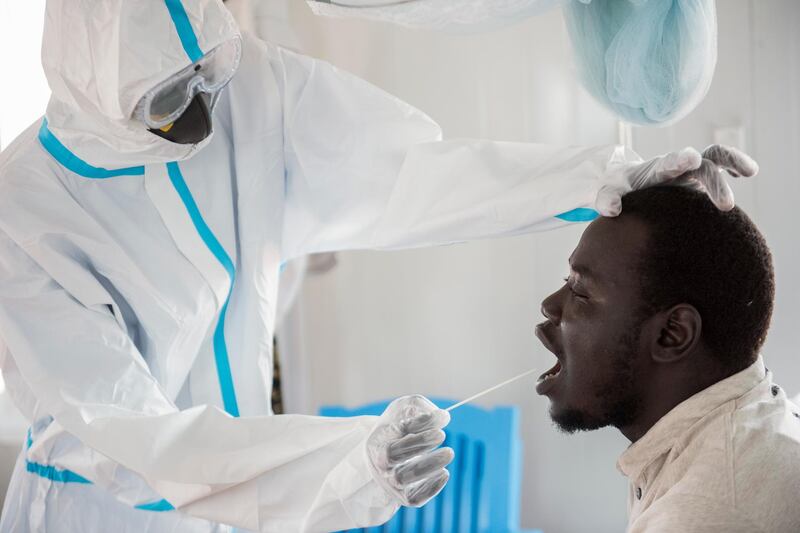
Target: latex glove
{"type": "Point", "coordinates": [403, 454]}
{"type": "Point", "coordinates": [707, 172]}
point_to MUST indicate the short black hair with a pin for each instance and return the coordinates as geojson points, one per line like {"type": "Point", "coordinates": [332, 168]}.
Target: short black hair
{"type": "Point", "coordinates": [716, 261]}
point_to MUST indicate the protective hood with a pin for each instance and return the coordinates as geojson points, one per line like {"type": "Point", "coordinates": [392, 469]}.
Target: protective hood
{"type": "Point", "coordinates": [101, 57]}
{"type": "Point", "coordinates": [460, 16]}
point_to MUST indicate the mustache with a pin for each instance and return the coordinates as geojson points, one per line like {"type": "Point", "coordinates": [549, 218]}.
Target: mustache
{"type": "Point", "coordinates": [548, 337]}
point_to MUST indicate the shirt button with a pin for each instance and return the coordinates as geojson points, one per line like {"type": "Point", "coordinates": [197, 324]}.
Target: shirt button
{"type": "Point", "coordinates": [638, 493]}
{"type": "Point", "coordinates": [775, 390]}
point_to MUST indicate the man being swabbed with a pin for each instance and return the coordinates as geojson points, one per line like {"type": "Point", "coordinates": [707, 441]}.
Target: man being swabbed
{"type": "Point", "coordinates": [661, 339]}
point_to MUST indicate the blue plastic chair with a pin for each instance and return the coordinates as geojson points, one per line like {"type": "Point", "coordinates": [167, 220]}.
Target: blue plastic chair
{"type": "Point", "coordinates": [483, 494]}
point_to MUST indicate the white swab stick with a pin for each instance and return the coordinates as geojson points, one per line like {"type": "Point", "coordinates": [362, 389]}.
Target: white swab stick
{"type": "Point", "coordinates": [487, 391]}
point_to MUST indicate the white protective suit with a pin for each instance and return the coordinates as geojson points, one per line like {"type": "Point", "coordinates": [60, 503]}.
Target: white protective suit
{"type": "Point", "coordinates": [454, 16]}
{"type": "Point", "coordinates": [138, 284]}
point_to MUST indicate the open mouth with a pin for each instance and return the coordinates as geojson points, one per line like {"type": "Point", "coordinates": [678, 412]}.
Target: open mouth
{"type": "Point", "coordinates": [547, 380]}
{"type": "Point", "coordinates": [550, 374]}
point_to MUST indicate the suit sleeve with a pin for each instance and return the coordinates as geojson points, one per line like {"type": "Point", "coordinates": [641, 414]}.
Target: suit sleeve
{"type": "Point", "coordinates": [270, 474]}
{"type": "Point", "coordinates": [365, 170]}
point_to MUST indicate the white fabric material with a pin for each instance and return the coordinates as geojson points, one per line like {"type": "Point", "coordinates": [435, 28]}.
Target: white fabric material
{"type": "Point", "coordinates": [727, 459]}
{"type": "Point", "coordinates": [100, 58]}
{"type": "Point", "coordinates": [109, 301]}
{"type": "Point", "coordinates": [71, 508]}
{"type": "Point", "coordinates": [464, 15]}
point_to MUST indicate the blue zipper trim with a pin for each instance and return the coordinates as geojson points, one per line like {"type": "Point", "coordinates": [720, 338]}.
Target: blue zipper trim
{"type": "Point", "coordinates": [160, 506]}
{"type": "Point", "coordinates": [581, 214]}
{"type": "Point", "coordinates": [184, 27]}
{"type": "Point", "coordinates": [77, 165]}
{"type": "Point", "coordinates": [220, 348]}
{"type": "Point", "coordinates": [67, 476]}
{"type": "Point", "coordinates": [50, 472]}
{"type": "Point", "coordinates": [54, 474]}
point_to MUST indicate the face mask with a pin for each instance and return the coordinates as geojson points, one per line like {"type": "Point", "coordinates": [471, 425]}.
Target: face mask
{"type": "Point", "coordinates": [193, 126]}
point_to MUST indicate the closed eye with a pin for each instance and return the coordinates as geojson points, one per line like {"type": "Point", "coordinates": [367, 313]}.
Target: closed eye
{"type": "Point", "coordinates": [573, 291]}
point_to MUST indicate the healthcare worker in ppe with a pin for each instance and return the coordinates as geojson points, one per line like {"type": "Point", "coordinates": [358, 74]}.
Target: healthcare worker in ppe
{"type": "Point", "coordinates": [143, 223]}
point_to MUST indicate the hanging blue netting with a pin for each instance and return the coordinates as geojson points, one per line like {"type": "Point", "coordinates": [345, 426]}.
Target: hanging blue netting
{"type": "Point", "coordinates": [649, 61]}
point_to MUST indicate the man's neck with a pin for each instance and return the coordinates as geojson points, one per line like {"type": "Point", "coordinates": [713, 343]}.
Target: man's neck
{"type": "Point", "coordinates": [669, 389]}
{"type": "Point", "coordinates": [650, 416]}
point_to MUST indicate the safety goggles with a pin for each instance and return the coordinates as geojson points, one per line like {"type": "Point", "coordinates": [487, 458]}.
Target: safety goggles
{"type": "Point", "coordinates": [166, 102]}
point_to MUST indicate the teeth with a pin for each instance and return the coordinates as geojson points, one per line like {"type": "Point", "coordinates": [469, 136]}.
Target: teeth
{"type": "Point", "coordinates": [551, 375]}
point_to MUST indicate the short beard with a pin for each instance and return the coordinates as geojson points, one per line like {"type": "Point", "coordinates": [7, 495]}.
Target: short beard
{"type": "Point", "coordinates": [618, 399]}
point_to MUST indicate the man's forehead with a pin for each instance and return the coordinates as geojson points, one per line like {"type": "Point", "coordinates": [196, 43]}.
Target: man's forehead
{"type": "Point", "coordinates": [609, 249]}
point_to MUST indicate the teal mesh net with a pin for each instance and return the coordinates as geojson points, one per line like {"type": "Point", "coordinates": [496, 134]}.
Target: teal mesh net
{"type": "Point", "coordinates": [649, 61]}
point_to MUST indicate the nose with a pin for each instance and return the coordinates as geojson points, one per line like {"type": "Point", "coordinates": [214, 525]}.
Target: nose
{"type": "Point", "coordinates": [551, 307]}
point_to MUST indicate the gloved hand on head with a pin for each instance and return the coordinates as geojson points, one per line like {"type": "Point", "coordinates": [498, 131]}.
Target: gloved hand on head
{"type": "Point", "coordinates": [707, 172]}
{"type": "Point", "coordinates": [404, 453]}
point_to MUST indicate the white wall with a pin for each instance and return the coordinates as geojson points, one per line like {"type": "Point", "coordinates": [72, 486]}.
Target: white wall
{"type": "Point", "coordinates": [23, 91]}
{"type": "Point", "coordinates": [452, 321]}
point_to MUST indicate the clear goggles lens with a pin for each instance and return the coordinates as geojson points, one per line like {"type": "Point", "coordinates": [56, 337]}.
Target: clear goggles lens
{"type": "Point", "coordinates": [167, 101]}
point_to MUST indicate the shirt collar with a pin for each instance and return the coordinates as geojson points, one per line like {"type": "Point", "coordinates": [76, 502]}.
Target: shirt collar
{"type": "Point", "coordinates": [661, 438]}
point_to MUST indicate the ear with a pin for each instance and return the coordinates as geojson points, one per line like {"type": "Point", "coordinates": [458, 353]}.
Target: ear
{"type": "Point", "coordinates": [678, 333]}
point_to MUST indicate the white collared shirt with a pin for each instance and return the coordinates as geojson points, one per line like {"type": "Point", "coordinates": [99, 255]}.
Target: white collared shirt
{"type": "Point", "coordinates": [725, 460]}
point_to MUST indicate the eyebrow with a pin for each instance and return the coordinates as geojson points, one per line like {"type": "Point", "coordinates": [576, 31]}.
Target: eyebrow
{"type": "Point", "coordinates": [583, 271]}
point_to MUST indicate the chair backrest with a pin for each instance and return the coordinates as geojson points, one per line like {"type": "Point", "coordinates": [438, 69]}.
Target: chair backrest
{"type": "Point", "coordinates": [483, 493]}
